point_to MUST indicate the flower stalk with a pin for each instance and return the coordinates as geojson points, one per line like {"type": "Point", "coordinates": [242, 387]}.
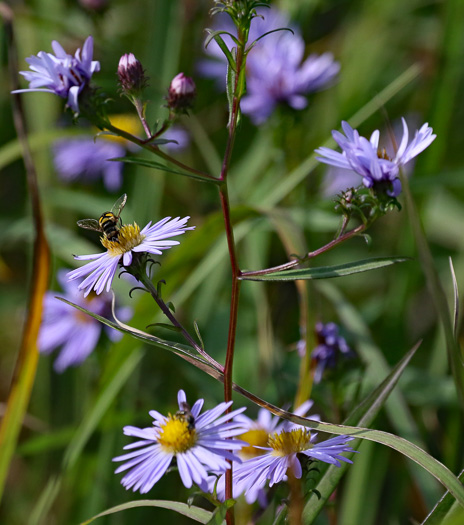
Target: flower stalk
{"type": "Point", "coordinates": [295, 262]}
{"type": "Point", "coordinates": [153, 148]}
{"type": "Point", "coordinates": [235, 269]}
{"type": "Point", "coordinates": [151, 289]}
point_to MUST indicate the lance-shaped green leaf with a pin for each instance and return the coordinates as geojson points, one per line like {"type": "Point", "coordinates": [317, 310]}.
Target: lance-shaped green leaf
{"type": "Point", "coordinates": [363, 415]}
{"type": "Point", "coordinates": [195, 513]}
{"type": "Point", "coordinates": [184, 351]}
{"type": "Point", "coordinates": [327, 272]}
{"type": "Point", "coordinates": [216, 35]}
{"type": "Point", "coordinates": [140, 161]}
{"type": "Point", "coordinates": [446, 511]}
{"type": "Point", "coordinates": [456, 300]}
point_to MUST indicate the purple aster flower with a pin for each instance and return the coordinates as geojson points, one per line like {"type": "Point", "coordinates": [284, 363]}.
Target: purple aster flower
{"type": "Point", "coordinates": [199, 443]}
{"type": "Point", "coordinates": [281, 457]}
{"type": "Point", "coordinates": [276, 72]}
{"type": "Point", "coordinates": [85, 159]}
{"type": "Point", "coordinates": [377, 169]}
{"type": "Point", "coordinates": [63, 74]}
{"type": "Point", "coordinates": [256, 435]}
{"type": "Point", "coordinates": [99, 273]}
{"type": "Point", "coordinates": [75, 332]}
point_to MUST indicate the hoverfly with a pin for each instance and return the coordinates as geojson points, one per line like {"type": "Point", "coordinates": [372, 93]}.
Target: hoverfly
{"type": "Point", "coordinates": [184, 414]}
{"type": "Point", "coordinates": [109, 221]}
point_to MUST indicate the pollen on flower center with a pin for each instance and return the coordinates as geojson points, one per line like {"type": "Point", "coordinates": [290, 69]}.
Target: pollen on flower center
{"type": "Point", "coordinates": [291, 442]}
{"type": "Point", "coordinates": [256, 437]}
{"type": "Point", "coordinates": [175, 436]}
{"type": "Point", "coordinates": [129, 237]}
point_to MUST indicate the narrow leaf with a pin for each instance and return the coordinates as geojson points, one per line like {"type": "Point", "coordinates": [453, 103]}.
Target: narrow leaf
{"type": "Point", "coordinates": [446, 510]}
{"type": "Point", "coordinates": [363, 415]}
{"type": "Point", "coordinates": [139, 334]}
{"type": "Point", "coordinates": [220, 42]}
{"type": "Point", "coordinates": [252, 45]}
{"type": "Point", "coordinates": [456, 298]}
{"type": "Point", "coordinates": [166, 326]}
{"type": "Point", "coordinates": [326, 272]}
{"type": "Point", "coordinates": [26, 362]}
{"type": "Point", "coordinates": [230, 89]}
{"type": "Point", "coordinates": [140, 161]}
{"type": "Point", "coordinates": [195, 513]}
{"type": "Point", "coordinates": [197, 331]}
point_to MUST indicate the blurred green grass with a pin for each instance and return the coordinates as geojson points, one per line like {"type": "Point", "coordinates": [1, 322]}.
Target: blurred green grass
{"type": "Point", "coordinates": [375, 43]}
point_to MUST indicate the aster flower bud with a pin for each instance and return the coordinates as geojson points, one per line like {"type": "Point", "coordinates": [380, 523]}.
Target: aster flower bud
{"type": "Point", "coordinates": [182, 91]}
{"type": "Point", "coordinates": [94, 5]}
{"type": "Point", "coordinates": [131, 75]}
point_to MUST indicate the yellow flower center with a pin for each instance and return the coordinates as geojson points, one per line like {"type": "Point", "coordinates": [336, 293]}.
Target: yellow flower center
{"type": "Point", "coordinates": [175, 436]}
{"type": "Point", "coordinates": [255, 437]}
{"type": "Point", "coordinates": [287, 443]}
{"type": "Point", "coordinates": [129, 237]}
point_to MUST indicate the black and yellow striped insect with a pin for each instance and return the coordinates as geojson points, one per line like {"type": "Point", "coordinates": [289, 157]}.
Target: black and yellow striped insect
{"type": "Point", "coordinates": [184, 414]}
{"type": "Point", "coordinates": [109, 222]}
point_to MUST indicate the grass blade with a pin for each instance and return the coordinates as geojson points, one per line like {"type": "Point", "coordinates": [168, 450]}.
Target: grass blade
{"type": "Point", "coordinates": [195, 513]}
{"type": "Point", "coordinates": [363, 415]}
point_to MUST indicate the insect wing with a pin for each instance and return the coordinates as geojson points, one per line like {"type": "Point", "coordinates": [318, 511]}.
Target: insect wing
{"type": "Point", "coordinates": [89, 224]}
{"type": "Point", "coordinates": [119, 205]}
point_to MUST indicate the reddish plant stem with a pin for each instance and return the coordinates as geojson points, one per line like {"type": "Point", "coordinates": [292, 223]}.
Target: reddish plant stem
{"type": "Point", "coordinates": [235, 269]}
{"type": "Point", "coordinates": [291, 264]}
{"type": "Point", "coordinates": [143, 120]}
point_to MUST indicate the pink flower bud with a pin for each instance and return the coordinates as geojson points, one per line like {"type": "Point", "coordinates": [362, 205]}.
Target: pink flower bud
{"type": "Point", "coordinates": [182, 91]}
{"type": "Point", "coordinates": [131, 75]}
{"type": "Point", "coordinates": [94, 5]}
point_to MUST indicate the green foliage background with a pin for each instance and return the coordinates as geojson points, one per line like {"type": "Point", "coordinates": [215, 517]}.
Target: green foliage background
{"type": "Point", "coordinates": [74, 424]}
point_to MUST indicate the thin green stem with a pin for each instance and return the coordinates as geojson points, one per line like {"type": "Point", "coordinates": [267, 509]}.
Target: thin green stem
{"type": "Point", "coordinates": [153, 148]}
{"type": "Point", "coordinates": [141, 113]}
{"type": "Point", "coordinates": [310, 255]}
{"type": "Point", "coordinates": [167, 312]}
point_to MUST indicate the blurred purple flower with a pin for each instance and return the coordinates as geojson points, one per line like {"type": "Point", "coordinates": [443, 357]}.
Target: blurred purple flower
{"type": "Point", "coordinates": [363, 156]}
{"type": "Point", "coordinates": [330, 345]}
{"type": "Point", "coordinates": [74, 331]}
{"type": "Point", "coordinates": [276, 72]}
{"type": "Point", "coordinates": [85, 159]}
{"type": "Point", "coordinates": [64, 75]}
{"type": "Point", "coordinates": [181, 137]}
